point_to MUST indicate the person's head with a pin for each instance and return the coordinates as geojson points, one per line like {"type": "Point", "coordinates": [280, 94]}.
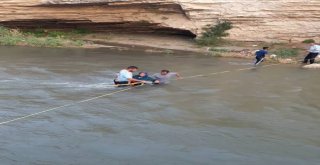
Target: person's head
{"type": "Point", "coordinates": [164, 72]}
{"type": "Point", "coordinates": [265, 48]}
{"type": "Point", "coordinates": [142, 74]}
{"type": "Point", "coordinates": [132, 68]}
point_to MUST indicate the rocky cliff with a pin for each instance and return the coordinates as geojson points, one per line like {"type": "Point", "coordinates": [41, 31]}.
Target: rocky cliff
{"type": "Point", "coordinates": [254, 20]}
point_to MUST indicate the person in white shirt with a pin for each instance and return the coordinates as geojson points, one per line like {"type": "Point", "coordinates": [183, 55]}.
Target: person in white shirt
{"type": "Point", "coordinates": [125, 76]}
{"type": "Point", "coordinates": [313, 53]}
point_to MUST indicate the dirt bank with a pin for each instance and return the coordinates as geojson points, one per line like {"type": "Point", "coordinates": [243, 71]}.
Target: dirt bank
{"type": "Point", "coordinates": [286, 52]}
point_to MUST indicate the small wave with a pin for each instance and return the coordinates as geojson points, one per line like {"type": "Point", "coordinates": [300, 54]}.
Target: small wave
{"type": "Point", "coordinates": [98, 85]}
{"type": "Point", "coordinates": [55, 83]}
{"type": "Point", "coordinates": [4, 81]}
{"type": "Point", "coordinates": [295, 90]}
{"type": "Point", "coordinates": [76, 85]}
{"type": "Point", "coordinates": [36, 70]}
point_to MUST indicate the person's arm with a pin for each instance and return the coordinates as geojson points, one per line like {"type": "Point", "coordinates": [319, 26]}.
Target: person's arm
{"type": "Point", "coordinates": [131, 79]}
{"type": "Point", "coordinates": [150, 79]}
{"type": "Point", "coordinates": [265, 53]}
{"type": "Point", "coordinates": [154, 75]}
{"type": "Point", "coordinates": [308, 50]}
{"type": "Point", "coordinates": [155, 78]}
{"type": "Point", "coordinates": [178, 76]}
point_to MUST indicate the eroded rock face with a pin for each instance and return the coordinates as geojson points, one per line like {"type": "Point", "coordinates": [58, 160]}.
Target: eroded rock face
{"type": "Point", "coordinates": [254, 20]}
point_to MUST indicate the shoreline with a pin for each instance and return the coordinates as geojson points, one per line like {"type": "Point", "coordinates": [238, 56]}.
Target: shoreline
{"type": "Point", "coordinates": [156, 43]}
{"type": "Point", "coordinates": [283, 53]}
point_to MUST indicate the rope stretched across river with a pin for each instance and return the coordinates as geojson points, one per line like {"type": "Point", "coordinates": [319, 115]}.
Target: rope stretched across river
{"type": "Point", "coordinates": [113, 93]}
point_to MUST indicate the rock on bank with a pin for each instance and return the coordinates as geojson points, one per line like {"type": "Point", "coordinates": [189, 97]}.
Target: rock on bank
{"type": "Point", "coordinates": [312, 66]}
{"type": "Point", "coordinates": [254, 20]}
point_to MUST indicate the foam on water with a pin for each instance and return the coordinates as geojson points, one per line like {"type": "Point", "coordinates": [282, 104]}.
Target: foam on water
{"type": "Point", "coordinates": [96, 86]}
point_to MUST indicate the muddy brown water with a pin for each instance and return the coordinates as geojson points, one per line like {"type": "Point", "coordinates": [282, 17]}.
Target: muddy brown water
{"type": "Point", "coordinates": [269, 115]}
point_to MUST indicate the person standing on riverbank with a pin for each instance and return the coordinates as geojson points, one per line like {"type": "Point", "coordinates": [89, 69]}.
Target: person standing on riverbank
{"type": "Point", "coordinates": [260, 55]}
{"type": "Point", "coordinates": [125, 76]}
{"type": "Point", "coordinates": [165, 75]}
{"type": "Point", "coordinates": [313, 53]}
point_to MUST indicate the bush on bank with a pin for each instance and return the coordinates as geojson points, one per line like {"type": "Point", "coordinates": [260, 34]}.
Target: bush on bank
{"type": "Point", "coordinates": [213, 34]}
{"type": "Point", "coordinates": [39, 38]}
{"type": "Point", "coordinates": [286, 52]}
{"type": "Point", "coordinates": [308, 41]}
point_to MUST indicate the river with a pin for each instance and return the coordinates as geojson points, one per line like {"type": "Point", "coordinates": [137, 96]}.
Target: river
{"type": "Point", "coordinates": [268, 115]}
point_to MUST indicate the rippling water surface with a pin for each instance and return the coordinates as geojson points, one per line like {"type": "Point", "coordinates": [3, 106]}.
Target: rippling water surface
{"type": "Point", "coordinates": [264, 116]}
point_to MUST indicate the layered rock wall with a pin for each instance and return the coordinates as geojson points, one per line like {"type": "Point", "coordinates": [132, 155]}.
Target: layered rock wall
{"type": "Point", "coordinates": [254, 20]}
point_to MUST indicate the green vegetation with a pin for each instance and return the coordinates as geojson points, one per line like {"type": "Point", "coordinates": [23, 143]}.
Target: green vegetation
{"type": "Point", "coordinates": [168, 51]}
{"type": "Point", "coordinates": [61, 34]}
{"type": "Point", "coordinates": [215, 54]}
{"type": "Point", "coordinates": [221, 50]}
{"type": "Point", "coordinates": [214, 34]}
{"type": "Point", "coordinates": [41, 38]}
{"type": "Point", "coordinates": [80, 31]}
{"type": "Point", "coordinates": [286, 53]}
{"type": "Point", "coordinates": [308, 41]}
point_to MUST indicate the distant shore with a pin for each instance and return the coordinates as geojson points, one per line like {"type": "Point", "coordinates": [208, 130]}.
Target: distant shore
{"type": "Point", "coordinates": [152, 43]}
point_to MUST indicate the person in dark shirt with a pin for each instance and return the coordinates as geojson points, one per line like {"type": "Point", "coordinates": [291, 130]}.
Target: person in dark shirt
{"type": "Point", "coordinates": [260, 54]}
{"type": "Point", "coordinates": [143, 76]}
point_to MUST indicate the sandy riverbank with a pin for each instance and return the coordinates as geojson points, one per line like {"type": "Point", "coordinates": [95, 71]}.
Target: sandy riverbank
{"type": "Point", "coordinates": [171, 43]}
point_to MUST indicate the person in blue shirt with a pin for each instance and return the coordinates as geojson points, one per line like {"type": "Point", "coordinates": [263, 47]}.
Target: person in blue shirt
{"type": "Point", "coordinates": [260, 54]}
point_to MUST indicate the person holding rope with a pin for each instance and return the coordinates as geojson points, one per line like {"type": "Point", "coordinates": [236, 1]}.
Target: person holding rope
{"type": "Point", "coordinates": [125, 77]}
{"type": "Point", "coordinates": [260, 55]}
{"type": "Point", "coordinates": [164, 76]}
{"type": "Point", "coordinates": [313, 53]}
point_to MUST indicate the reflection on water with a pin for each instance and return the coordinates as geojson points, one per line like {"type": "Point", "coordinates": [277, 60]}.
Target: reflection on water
{"type": "Point", "coordinates": [263, 116]}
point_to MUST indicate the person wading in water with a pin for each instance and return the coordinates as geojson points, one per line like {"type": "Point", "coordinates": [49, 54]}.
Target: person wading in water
{"type": "Point", "coordinates": [145, 77]}
{"type": "Point", "coordinates": [125, 77]}
{"type": "Point", "coordinates": [164, 76]}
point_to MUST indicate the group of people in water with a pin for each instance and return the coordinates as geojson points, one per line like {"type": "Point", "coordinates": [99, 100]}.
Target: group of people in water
{"type": "Point", "coordinates": [126, 77]}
